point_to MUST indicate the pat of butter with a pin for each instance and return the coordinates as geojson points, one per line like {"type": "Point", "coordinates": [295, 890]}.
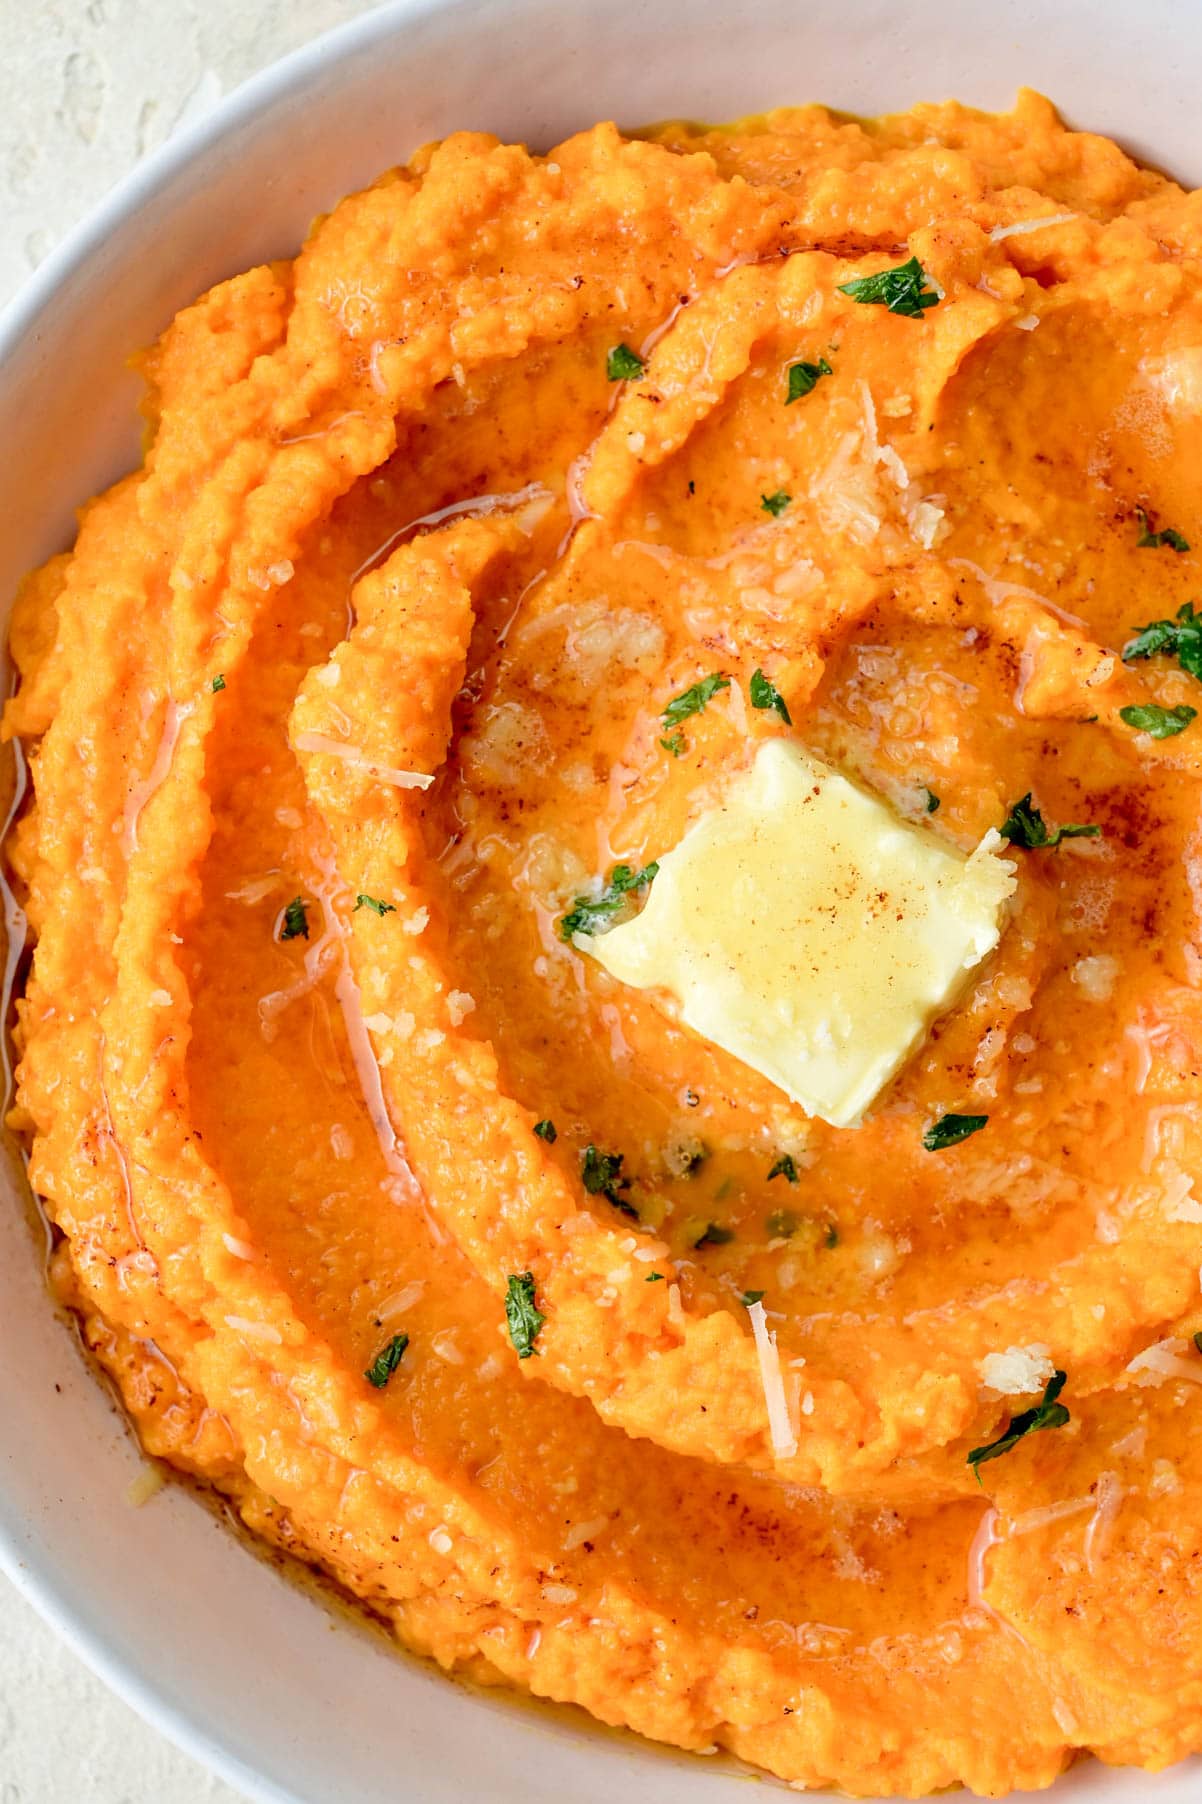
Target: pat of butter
{"type": "Point", "coordinates": [805, 928]}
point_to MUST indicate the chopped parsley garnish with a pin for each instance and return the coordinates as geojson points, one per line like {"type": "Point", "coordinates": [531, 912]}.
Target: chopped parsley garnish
{"type": "Point", "coordinates": [546, 1131]}
{"type": "Point", "coordinates": [690, 701]}
{"type": "Point", "coordinates": [713, 1234]}
{"type": "Point", "coordinates": [902, 290]}
{"type": "Point", "coordinates": [601, 1175]}
{"type": "Point", "coordinates": [377, 907]}
{"type": "Point", "coordinates": [949, 1130]}
{"type": "Point", "coordinates": [217, 685]}
{"type": "Point", "coordinates": [832, 1234]}
{"type": "Point", "coordinates": [694, 699]}
{"type": "Point", "coordinates": [1161, 723]}
{"type": "Point", "coordinates": [1025, 826]}
{"type": "Point", "coordinates": [932, 799]}
{"type": "Point", "coordinates": [386, 1361]}
{"type": "Point", "coordinates": [803, 378]}
{"type": "Point", "coordinates": [766, 695]}
{"type": "Point", "coordinates": [1168, 535]}
{"type": "Point", "coordinates": [623, 365]}
{"type": "Point", "coordinates": [775, 504]}
{"type": "Point", "coordinates": [785, 1167]}
{"type": "Point", "coordinates": [1045, 1414]}
{"type": "Point", "coordinates": [1198, 1340]}
{"type": "Point", "coordinates": [523, 1318]}
{"type": "Point", "coordinates": [1180, 639]}
{"type": "Point", "coordinates": [296, 925]}
{"type": "Point", "coordinates": [654, 1278]}
{"type": "Point", "coordinates": [591, 914]}
{"type": "Point", "coordinates": [782, 1224]}
{"type": "Point", "coordinates": [751, 1296]}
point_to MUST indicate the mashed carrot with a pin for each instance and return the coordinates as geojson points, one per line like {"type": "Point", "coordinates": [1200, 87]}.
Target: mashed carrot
{"type": "Point", "coordinates": [548, 1328]}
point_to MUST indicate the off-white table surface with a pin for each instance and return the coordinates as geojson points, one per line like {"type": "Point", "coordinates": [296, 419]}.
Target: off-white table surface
{"type": "Point", "coordinates": [86, 88]}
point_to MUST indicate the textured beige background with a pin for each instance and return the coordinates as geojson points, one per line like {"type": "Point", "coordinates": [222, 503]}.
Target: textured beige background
{"type": "Point", "coordinates": [86, 88]}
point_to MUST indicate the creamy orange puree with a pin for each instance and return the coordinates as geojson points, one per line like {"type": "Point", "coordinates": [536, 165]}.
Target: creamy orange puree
{"type": "Point", "coordinates": [396, 524]}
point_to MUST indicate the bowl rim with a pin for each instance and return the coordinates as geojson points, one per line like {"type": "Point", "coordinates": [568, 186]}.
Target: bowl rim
{"type": "Point", "coordinates": [36, 1579]}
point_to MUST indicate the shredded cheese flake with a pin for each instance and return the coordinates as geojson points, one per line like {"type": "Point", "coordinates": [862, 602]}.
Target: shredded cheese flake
{"type": "Point", "coordinates": [784, 1441]}
{"type": "Point", "coordinates": [336, 748]}
{"type": "Point", "coordinates": [1029, 225]}
{"type": "Point", "coordinates": [242, 1324]}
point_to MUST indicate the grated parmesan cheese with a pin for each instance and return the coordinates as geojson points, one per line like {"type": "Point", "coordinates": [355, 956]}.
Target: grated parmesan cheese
{"type": "Point", "coordinates": [147, 1484]}
{"type": "Point", "coordinates": [1031, 1520]}
{"type": "Point", "coordinates": [1095, 977]}
{"type": "Point", "coordinates": [584, 1531]}
{"type": "Point", "coordinates": [1165, 1359]}
{"type": "Point", "coordinates": [559, 1594]}
{"type": "Point", "coordinates": [337, 748]}
{"type": "Point", "coordinates": [784, 1441]}
{"type": "Point", "coordinates": [1109, 1495]}
{"type": "Point", "coordinates": [263, 1331]}
{"type": "Point", "coordinates": [1019, 1371]}
{"type": "Point", "coordinates": [1021, 226]}
{"type": "Point", "coordinates": [445, 1346]}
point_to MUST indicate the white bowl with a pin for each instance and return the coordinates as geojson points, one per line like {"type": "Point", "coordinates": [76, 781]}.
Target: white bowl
{"type": "Point", "coordinates": [241, 1668]}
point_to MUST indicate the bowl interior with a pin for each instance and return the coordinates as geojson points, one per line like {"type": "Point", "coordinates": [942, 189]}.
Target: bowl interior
{"type": "Point", "coordinates": [241, 1667]}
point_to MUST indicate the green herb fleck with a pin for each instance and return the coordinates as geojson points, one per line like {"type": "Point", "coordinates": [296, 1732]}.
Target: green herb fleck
{"type": "Point", "coordinates": [1025, 826]}
{"type": "Point", "coordinates": [775, 504]}
{"type": "Point", "coordinates": [601, 1174]}
{"type": "Point", "coordinates": [694, 699]}
{"type": "Point", "coordinates": [373, 902]}
{"type": "Point", "coordinates": [386, 1361]}
{"type": "Point", "coordinates": [1198, 1340]}
{"type": "Point", "coordinates": [546, 1131]}
{"type": "Point", "coordinates": [932, 799]}
{"type": "Point", "coordinates": [674, 743]}
{"type": "Point", "coordinates": [949, 1130]}
{"type": "Point", "coordinates": [1168, 535]}
{"type": "Point", "coordinates": [654, 1278]}
{"type": "Point", "coordinates": [523, 1318]}
{"type": "Point", "coordinates": [713, 1234]}
{"type": "Point", "coordinates": [751, 1296]}
{"type": "Point", "coordinates": [803, 378]}
{"type": "Point", "coordinates": [591, 914]}
{"type": "Point", "coordinates": [782, 1224]}
{"type": "Point", "coordinates": [1161, 723]}
{"type": "Point", "coordinates": [785, 1167]}
{"type": "Point", "coordinates": [296, 926]}
{"type": "Point", "coordinates": [832, 1234]}
{"type": "Point", "coordinates": [1045, 1414]}
{"type": "Point", "coordinates": [902, 290]}
{"type": "Point", "coordinates": [1180, 639]}
{"type": "Point", "coordinates": [766, 695]}
{"type": "Point", "coordinates": [623, 365]}
{"type": "Point", "coordinates": [217, 685]}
